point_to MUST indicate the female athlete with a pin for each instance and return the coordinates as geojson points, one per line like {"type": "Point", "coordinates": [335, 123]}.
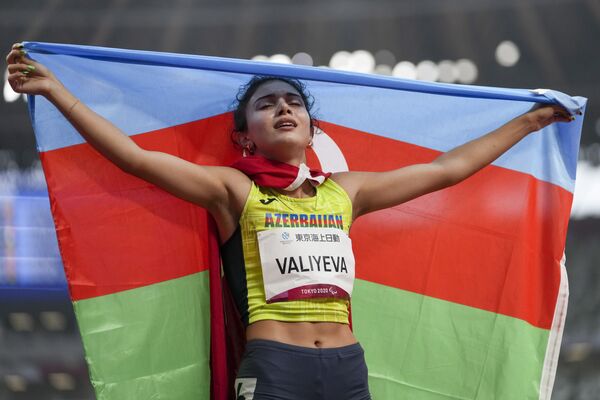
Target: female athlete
{"type": "Point", "coordinates": [299, 345]}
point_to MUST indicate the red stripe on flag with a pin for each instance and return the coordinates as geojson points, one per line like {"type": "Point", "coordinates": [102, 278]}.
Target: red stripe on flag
{"type": "Point", "coordinates": [117, 232]}
{"type": "Point", "coordinates": [493, 242]}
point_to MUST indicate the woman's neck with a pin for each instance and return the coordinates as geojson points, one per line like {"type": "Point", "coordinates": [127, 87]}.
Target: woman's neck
{"type": "Point", "coordinates": [305, 190]}
{"type": "Point", "coordinates": [296, 160]}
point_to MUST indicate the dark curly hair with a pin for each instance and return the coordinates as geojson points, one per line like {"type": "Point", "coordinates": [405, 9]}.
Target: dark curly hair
{"type": "Point", "coordinates": [246, 91]}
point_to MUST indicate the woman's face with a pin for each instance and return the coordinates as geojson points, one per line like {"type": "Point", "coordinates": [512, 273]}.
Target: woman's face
{"type": "Point", "coordinates": [278, 122]}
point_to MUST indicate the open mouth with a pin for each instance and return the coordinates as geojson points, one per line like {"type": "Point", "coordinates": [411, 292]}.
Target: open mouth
{"type": "Point", "coordinates": [285, 123]}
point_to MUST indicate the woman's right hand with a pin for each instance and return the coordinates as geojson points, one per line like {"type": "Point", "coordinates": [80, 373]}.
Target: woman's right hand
{"type": "Point", "coordinates": [27, 76]}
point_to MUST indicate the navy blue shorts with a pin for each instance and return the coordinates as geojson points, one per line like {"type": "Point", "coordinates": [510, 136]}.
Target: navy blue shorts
{"type": "Point", "coordinates": [278, 371]}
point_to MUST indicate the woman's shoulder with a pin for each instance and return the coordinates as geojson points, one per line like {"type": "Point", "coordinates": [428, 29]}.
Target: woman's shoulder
{"type": "Point", "coordinates": [346, 180]}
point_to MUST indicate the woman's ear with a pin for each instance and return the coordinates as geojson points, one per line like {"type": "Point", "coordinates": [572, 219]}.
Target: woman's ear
{"type": "Point", "coordinates": [313, 131]}
{"type": "Point", "coordinates": [248, 147]}
{"type": "Point", "coordinates": [241, 138]}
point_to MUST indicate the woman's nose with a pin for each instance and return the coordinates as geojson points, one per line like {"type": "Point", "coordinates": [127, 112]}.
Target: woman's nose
{"type": "Point", "coordinates": [283, 107]}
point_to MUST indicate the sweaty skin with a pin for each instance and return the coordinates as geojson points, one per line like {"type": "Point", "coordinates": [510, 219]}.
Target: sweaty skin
{"type": "Point", "coordinates": [278, 127]}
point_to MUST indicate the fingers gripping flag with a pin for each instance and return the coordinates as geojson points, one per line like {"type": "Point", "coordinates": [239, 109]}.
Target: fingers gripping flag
{"type": "Point", "coordinates": [460, 294]}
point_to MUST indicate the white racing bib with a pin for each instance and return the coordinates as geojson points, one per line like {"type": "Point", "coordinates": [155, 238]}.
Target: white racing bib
{"type": "Point", "coordinates": [304, 263]}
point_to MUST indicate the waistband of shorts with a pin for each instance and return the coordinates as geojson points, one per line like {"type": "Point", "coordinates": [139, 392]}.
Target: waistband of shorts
{"type": "Point", "coordinates": [348, 350]}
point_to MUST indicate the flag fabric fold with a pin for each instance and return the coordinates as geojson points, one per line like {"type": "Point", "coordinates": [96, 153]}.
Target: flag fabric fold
{"type": "Point", "coordinates": [460, 294]}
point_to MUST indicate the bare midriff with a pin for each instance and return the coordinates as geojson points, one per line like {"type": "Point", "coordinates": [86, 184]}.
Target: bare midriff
{"type": "Point", "coordinates": [305, 334]}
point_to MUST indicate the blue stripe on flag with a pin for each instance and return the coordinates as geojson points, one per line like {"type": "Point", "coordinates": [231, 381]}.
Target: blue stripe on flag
{"type": "Point", "coordinates": [144, 91]}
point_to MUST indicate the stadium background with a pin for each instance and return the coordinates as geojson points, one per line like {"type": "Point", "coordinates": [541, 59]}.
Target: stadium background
{"type": "Point", "coordinates": [507, 43]}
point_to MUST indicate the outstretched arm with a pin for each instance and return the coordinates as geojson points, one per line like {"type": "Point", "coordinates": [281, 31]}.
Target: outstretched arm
{"type": "Point", "coordinates": [221, 190]}
{"type": "Point", "coordinates": [371, 191]}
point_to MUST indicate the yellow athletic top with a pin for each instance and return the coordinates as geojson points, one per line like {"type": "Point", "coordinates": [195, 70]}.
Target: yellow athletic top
{"type": "Point", "coordinates": [266, 208]}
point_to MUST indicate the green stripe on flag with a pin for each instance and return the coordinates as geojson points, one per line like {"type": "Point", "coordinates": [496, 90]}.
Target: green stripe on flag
{"type": "Point", "coordinates": [151, 342]}
{"type": "Point", "coordinates": [419, 347]}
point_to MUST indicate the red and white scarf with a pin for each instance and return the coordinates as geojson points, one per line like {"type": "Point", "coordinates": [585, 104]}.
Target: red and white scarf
{"type": "Point", "coordinates": [277, 174]}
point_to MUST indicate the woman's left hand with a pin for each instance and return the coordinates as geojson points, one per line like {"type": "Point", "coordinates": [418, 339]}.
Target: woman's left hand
{"type": "Point", "coordinates": [541, 116]}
